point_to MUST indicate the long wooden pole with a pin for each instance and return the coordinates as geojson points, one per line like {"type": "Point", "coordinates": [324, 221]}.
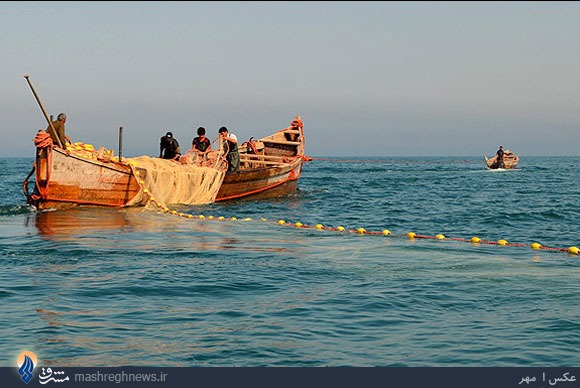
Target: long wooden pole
{"type": "Point", "coordinates": [43, 111]}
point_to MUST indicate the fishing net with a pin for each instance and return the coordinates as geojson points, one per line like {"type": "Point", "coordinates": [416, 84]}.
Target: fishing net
{"type": "Point", "coordinates": [171, 182]}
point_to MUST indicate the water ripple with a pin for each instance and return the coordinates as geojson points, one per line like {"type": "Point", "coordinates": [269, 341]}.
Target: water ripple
{"type": "Point", "coordinates": [110, 287]}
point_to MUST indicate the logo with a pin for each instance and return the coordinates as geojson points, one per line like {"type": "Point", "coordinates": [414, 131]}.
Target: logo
{"type": "Point", "coordinates": [46, 376]}
{"type": "Point", "coordinates": [26, 363]}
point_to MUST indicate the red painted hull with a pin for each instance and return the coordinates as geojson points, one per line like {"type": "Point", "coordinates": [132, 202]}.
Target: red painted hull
{"type": "Point", "coordinates": [260, 183]}
{"type": "Point", "coordinates": [64, 181]}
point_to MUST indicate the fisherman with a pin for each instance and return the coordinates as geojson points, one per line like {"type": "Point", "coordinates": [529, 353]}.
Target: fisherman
{"type": "Point", "coordinates": [169, 147]}
{"type": "Point", "coordinates": [201, 143]}
{"type": "Point", "coordinates": [58, 125]}
{"type": "Point", "coordinates": [499, 161]}
{"type": "Point", "coordinates": [231, 142]}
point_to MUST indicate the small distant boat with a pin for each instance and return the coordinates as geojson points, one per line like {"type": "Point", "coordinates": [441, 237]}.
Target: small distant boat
{"type": "Point", "coordinates": [269, 167]}
{"type": "Point", "coordinates": [510, 161]}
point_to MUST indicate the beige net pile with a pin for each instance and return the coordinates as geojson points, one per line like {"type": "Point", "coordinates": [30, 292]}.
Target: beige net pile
{"type": "Point", "coordinates": [170, 182]}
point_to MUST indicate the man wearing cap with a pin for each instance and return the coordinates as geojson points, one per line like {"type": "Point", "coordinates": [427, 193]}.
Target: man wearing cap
{"type": "Point", "coordinates": [169, 147]}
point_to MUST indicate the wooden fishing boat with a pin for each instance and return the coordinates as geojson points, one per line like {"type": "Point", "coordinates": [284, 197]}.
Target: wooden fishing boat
{"type": "Point", "coordinates": [510, 161]}
{"type": "Point", "coordinates": [269, 167]}
{"type": "Point", "coordinates": [69, 175]}
{"type": "Point", "coordinates": [79, 175]}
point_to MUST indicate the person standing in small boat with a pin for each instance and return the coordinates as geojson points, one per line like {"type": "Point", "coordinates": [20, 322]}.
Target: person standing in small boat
{"type": "Point", "coordinates": [58, 125]}
{"type": "Point", "coordinates": [169, 147]}
{"type": "Point", "coordinates": [231, 142]}
{"type": "Point", "coordinates": [499, 160]}
{"type": "Point", "coordinates": [201, 144]}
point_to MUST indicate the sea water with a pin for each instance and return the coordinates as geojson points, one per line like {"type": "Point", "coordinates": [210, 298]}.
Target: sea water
{"type": "Point", "coordinates": [134, 287]}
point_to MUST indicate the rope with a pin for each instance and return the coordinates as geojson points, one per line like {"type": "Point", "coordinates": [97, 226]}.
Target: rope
{"type": "Point", "coordinates": [25, 183]}
{"type": "Point", "coordinates": [297, 122]}
{"type": "Point", "coordinates": [43, 141]}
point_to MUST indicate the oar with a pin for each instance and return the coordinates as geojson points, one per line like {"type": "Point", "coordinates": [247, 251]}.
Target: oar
{"type": "Point", "coordinates": [43, 111]}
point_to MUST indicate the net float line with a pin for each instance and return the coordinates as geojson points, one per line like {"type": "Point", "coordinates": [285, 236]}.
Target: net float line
{"type": "Point", "coordinates": [573, 250]}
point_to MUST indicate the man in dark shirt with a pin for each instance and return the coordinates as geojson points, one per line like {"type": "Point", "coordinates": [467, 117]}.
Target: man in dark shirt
{"type": "Point", "coordinates": [169, 147]}
{"type": "Point", "coordinates": [499, 161]}
{"type": "Point", "coordinates": [201, 143]}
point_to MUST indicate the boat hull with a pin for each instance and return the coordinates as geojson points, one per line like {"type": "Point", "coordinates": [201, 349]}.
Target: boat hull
{"type": "Point", "coordinates": [260, 183]}
{"type": "Point", "coordinates": [269, 167]}
{"type": "Point", "coordinates": [510, 161]}
{"type": "Point", "coordinates": [64, 181]}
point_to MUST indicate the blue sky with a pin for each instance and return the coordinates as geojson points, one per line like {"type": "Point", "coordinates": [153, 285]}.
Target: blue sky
{"type": "Point", "coordinates": [368, 78]}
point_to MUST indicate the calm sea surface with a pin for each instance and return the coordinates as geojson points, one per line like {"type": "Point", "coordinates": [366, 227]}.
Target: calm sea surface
{"type": "Point", "coordinates": [94, 287]}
